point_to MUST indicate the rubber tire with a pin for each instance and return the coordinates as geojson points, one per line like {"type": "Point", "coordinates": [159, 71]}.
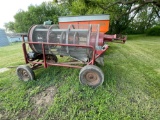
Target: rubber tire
{"type": "Point", "coordinates": [28, 70]}
{"type": "Point", "coordinates": [91, 68]}
{"type": "Point", "coordinates": [54, 56]}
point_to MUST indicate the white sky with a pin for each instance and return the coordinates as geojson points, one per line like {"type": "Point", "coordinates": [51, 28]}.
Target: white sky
{"type": "Point", "coordinates": [8, 8]}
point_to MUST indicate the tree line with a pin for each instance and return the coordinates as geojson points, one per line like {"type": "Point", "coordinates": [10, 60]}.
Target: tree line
{"type": "Point", "coordinates": [126, 16]}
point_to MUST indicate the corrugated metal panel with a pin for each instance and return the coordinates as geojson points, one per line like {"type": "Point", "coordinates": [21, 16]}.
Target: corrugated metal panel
{"type": "Point", "coordinates": [3, 38]}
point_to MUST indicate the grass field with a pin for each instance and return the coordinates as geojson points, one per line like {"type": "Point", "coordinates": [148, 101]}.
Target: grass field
{"type": "Point", "coordinates": [131, 90]}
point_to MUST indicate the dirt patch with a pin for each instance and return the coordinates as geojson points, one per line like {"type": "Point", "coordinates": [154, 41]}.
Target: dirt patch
{"type": "Point", "coordinates": [3, 70]}
{"type": "Point", "coordinates": [40, 102]}
{"type": "Point", "coordinates": [1, 116]}
{"type": "Point", "coordinates": [4, 115]}
{"type": "Point", "coordinates": [45, 97]}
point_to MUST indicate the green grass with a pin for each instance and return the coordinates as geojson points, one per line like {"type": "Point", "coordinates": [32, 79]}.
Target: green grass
{"type": "Point", "coordinates": [11, 55]}
{"type": "Point", "coordinates": [131, 89]}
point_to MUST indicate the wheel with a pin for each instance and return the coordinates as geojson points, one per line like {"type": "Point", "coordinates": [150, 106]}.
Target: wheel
{"type": "Point", "coordinates": [91, 75]}
{"type": "Point", "coordinates": [25, 73]}
{"type": "Point", "coordinates": [51, 58]}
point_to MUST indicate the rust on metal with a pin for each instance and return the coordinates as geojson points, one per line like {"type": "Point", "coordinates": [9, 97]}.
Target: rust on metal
{"type": "Point", "coordinates": [81, 38]}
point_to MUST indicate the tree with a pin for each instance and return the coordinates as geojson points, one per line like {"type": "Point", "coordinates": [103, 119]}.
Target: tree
{"type": "Point", "coordinates": [122, 12]}
{"type": "Point", "coordinates": [125, 15]}
{"type": "Point", "coordinates": [9, 26]}
{"type": "Point", "coordinates": [138, 5]}
{"type": "Point", "coordinates": [21, 24]}
{"type": "Point", "coordinates": [144, 20]}
{"type": "Point", "coordinates": [84, 7]}
{"type": "Point", "coordinates": [125, 12]}
{"type": "Point", "coordinates": [36, 15]}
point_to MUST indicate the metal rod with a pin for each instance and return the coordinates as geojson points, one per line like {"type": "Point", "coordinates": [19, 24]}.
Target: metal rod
{"type": "Point", "coordinates": [65, 65]}
{"type": "Point", "coordinates": [44, 56]}
{"type": "Point", "coordinates": [24, 52]}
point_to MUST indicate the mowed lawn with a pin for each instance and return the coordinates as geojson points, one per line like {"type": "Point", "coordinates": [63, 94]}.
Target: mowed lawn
{"type": "Point", "coordinates": [131, 90]}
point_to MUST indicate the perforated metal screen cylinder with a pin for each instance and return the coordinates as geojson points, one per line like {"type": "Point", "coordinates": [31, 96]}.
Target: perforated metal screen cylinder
{"type": "Point", "coordinates": [87, 35]}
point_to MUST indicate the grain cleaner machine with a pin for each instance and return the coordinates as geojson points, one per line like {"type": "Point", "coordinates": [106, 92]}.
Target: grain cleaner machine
{"type": "Point", "coordinates": [81, 38]}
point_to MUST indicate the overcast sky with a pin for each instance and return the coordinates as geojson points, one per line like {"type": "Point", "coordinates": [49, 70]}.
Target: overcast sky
{"type": "Point", "coordinates": [8, 8]}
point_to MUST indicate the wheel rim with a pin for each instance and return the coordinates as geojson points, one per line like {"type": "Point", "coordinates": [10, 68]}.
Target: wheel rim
{"type": "Point", "coordinates": [92, 78]}
{"type": "Point", "coordinates": [24, 75]}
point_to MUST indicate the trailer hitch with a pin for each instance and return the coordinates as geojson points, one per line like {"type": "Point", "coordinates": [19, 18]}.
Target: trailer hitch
{"type": "Point", "coordinates": [117, 38]}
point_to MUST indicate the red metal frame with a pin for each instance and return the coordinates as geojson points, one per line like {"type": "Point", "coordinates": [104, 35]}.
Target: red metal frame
{"type": "Point", "coordinates": [95, 54]}
{"type": "Point", "coordinates": [115, 38]}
